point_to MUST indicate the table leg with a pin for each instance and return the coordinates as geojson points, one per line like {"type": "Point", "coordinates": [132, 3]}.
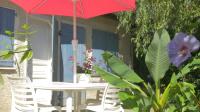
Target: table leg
{"type": "Point", "coordinates": [69, 104]}
{"type": "Point", "coordinates": [76, 105]}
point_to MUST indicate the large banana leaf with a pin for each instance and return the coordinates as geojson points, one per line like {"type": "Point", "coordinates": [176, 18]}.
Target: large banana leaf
{"type": "Point", "coordinates": [157, 59]}
{"type": "Point", "coordinates": [111, 78]}
{"type": "Point", "coordinates": [121, 69]}
{"type": "Point", "coordinates": [117, 81]}
{"type": "Point", "coordinates": [168, 91]}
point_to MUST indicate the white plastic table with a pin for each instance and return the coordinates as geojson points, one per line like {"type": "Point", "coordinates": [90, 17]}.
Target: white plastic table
{"type": "Point", "coordinates": [70, 87]}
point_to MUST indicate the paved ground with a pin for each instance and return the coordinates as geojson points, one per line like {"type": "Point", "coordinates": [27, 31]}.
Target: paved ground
{"type": "Point", "coordinates": [5, 96]}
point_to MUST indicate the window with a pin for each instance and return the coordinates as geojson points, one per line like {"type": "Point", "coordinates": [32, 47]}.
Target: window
{"type": "Point", "coordinates": [103, 41]}
{"type": "Point", "coordinates": [67, 52]}
{"type": "Point", "coordinates": [7, 19]}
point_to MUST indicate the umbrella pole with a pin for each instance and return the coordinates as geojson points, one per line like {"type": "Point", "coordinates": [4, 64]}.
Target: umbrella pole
{"type": "Point", "coordinates": [74, 43]}
{"type": "Point", "coordinates": [52, 44]}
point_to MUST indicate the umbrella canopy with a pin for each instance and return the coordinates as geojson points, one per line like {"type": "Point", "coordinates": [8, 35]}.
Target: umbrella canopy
{"type": "Point", "coordinates": [85, 8]}
{"type": "Point", "coordinates": [76, 8]}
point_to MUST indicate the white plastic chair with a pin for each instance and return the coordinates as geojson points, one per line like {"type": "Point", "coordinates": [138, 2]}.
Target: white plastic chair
{"type": "Point", "coordinates": [24, 99]}
{"type": "Point", "coordinates": [99, 93]}
{"type": "Point", "coordinates": [109, 101]}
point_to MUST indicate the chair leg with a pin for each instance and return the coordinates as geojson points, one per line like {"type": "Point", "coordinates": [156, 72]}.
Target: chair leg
{"type": "Point", "coordinates": [59, 109]}
{"type": "Point", "coordinates": [121, 109]}
{"type": "Point", "coordinates": [69, 104]}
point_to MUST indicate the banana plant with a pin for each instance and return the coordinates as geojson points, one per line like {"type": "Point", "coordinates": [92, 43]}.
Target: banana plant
{"type": "Point", "coordinates": [141, 96]}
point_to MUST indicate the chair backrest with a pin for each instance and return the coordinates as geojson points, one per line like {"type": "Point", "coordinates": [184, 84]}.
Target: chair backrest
{"type": "Point", "coordinates": [23, 95]}
{"type": "Point", "coordinates": [18, 80]}
{"type": "Point", "coordinates": [41, 69]}
{"type": "Point", "coordinates": [110, 99]}
{"type": "Point", "coordinates": [24, 98]}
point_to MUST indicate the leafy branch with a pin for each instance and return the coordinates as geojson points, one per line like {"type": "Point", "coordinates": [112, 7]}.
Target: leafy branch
{"type": "Point", "coordinates": [25, 50]}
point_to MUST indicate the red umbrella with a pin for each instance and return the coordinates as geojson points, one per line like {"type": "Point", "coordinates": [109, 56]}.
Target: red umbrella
{"type": "Point", "coordinates": [75, 8]}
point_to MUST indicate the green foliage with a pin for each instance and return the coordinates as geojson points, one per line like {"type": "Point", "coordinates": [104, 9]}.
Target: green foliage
{"type": "Point", "coordinates": [192, 66]}
{"type": "Point", "coordinates": [112, 78]}
{"type": "Point", "coordinates": [6, 54]}
{"type": "Point", "coordinates": [24, 50]}
{"type": "Point", "coordinates": [27, 55]}
{"type": "Point", "coordinates": [9, 33]}
{"type": "Point", "coordinates": [25, 27]}
{"type": "Point", "coordinates": [121, 69]}
{"type": "Point", "coordinates": [184, 100]}
{"type": "Point", "coordinates": [141, 96]}
{"type": "Point", "coordinates": [157, 59]}
{"type": "Point", "coordinates": [191, 73]}
{"type": "Point", "coordinates": [168, 92]}
{"type": "Point", "coordinates": [152, 15]}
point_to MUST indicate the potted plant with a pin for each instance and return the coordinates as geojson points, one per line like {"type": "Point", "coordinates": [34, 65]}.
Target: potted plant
{"type": "Point", "coordinates": [85, 71]}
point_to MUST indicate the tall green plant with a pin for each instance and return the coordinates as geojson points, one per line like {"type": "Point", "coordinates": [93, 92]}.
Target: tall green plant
{"type": "Point", "coordinates": [141, 96]}
{"type": "Point", "coordinates": [157, 60]}
{"type": "Point", "coordinates": [24, 50]}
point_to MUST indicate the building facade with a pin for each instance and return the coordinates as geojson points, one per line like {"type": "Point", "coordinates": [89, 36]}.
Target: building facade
{"type": "Point", "coordinates": [51, 54]}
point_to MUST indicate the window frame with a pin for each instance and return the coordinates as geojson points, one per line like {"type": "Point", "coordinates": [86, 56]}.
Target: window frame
{"type": "Point", "coordinates": [105, 47]}
{"type": "Point", "coordinates": [8, 64]}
